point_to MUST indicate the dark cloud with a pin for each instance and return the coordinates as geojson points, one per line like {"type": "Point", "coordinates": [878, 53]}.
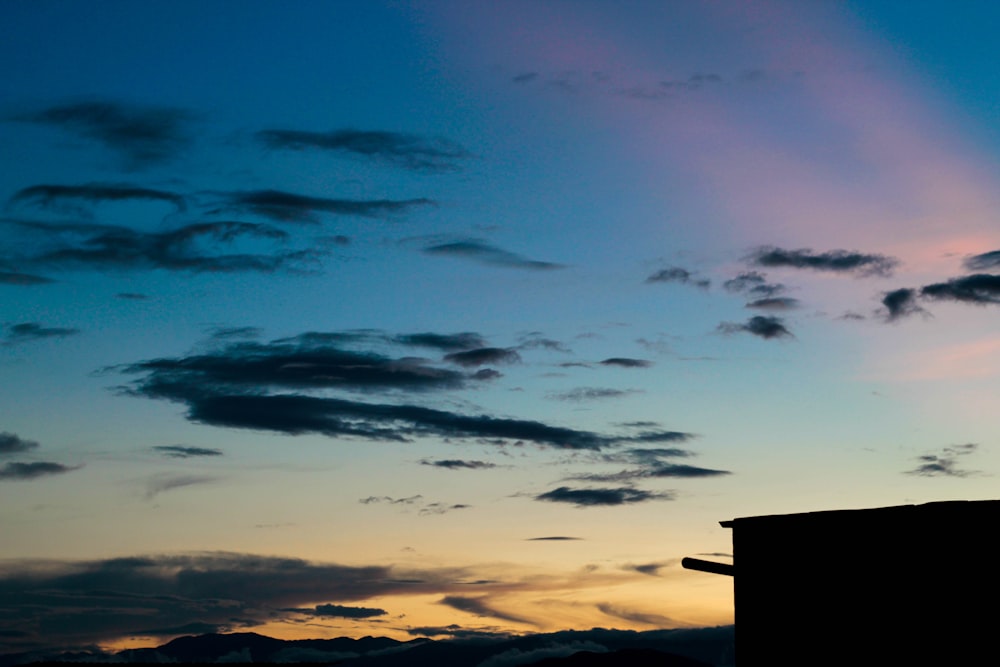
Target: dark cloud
{"type": "Point", "coordinates": [16, 470]}
{"type": "Point", "coordinates": [85, 602]}
{"type": "Point", "coordinates": [594, 497]}
{"type": "Point", "coordinates": [196, 247]}
{"type": "Point", "coordinates": [444, 342]}
{"type": "Point", "coordinates": [525, 77]}
{"type": "Point", "coordinates": [143, 136]}
{"type": "Point", "coordinates": [29, 331]}
{"type": "Point", "coordinates": [753, 284]}
{"type": "Point", "coordinates": [487, 254]}
{"type": "Point", "coordinates": [403, 150]}
{"type": "Point", "coordinates": [480, 607]}
{"type": "Point", "coordinates": [766, 327]}
{"type": "Point", "coordinates": [11, 443]}
{"type": "Point", "coordinates": [838, 261]}
{"type": "Point", "coordinates": [901, 303]}
{"type": "Point", "coordinates": [656, 471]}
{"type": "Point", "coordinates": [650, 456]}
{"type": "Point", "coordinates": [676, 274]}
{"type": "Point", "coordinates": [340, 611]}
{"type": "Point", "coordinates": [288, 207]}
{"type": "Point", "coordinates": [181, 452]}
{"type": "Point", "coordinates": [232, 333]}
{"type": "Point", "coordinates": [131, 296]}
{"type": "Point", "coordinates": [774, 303]}
{"type": "Point", "coordinates": [484, 355]}
{"type": "Point", "coordinates": [625, 362]}
{"type": "Point", "coordinates": [979, 289]}
{"type": "Point", "coordinates": [592, 394]}
{"type": "Point", "coordinates": [25, 279]}
{"type": "Point", "coordinates": [410, 500]}
{"type": "Point", "coordinates": [458, 464]}
{"type": "Point", "coordinates": [456, 631]}
{"type": "Point", "coordinates": [553, 538]}
{"type": "Point", "coordinates": [983, 262]}
{"type": "Point", "coordinates": [945, 463]}
{"type": "Point", "coordinates": [651, 569]}
{"type": "Point", "coordinates": [440, 508]}
{"type": "Point", "coordinates": [62, 197]}
{"type": "Point", "coordinates": [228, 387]}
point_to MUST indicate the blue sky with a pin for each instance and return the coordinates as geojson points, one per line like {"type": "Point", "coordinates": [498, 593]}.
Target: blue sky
{"type": "Point", "coordinates": [289, 292]}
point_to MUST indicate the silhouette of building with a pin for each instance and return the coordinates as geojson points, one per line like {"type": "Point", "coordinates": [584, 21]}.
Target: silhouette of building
{"type": "Point", "coordinates": [914, 584]}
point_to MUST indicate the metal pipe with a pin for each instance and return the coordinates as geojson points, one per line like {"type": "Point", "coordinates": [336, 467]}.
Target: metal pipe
{"type": "Point", "coordinates": [708, 566]}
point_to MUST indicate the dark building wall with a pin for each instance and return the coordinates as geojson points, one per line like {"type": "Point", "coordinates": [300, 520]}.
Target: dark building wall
{"type": "Point", "coordinates": [917, 584]}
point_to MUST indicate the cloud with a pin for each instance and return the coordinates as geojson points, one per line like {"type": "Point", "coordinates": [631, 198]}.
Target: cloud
{"type": "Point", "coordinates": [765, 327]}
{"type": "Point", "coordinates": [340, 611]}
{"type": "Point", "coordinates": [753, 284]}
{"type": "Point", "coordinates": [440, 508]}
{"type": "Point", "coordinates": [658, 620]}
{"type": "Point", "coordinates": [60, 197]}
{"type": "Point", "coordinates": [399, 149]}
{"type": "Point", "coordinates": [656, 471]}
{"type": "Point", "coordinates": [456, 631]}
{"type": "Point", "coordinates": [485, 253]}
{"type": "Point", "coordinates": [945, 463]}
{"type": "Point", "coordinates": [16, 470]}
{"type": "Point", "coordinates": [651, 569]}
{"type": "Point", "coordinates": [388, 499]}
{"type": "Point", "coordinates": [131, 296]}
{"type": "Point", "coordinates": [625, 362]}
{"type": "Point", "coordinates": [901, 303]}
{"type": "Point", "coordinates": [534, 340]}
{"type": "Point", "coordinates": [592, 394]}
{"type": "Point", "coordinates": [162, 483]}
{"type": "Point", "coordinates": [30, 331]}
{"type": "Point", "coordinates": [983, 262]}
{"type": "Point", "coordinates": [25, 279]}
{"type": "Point", "coordinates": [979, 289]}
{"type": "Point", "coordinates": [480, 607]}
{"type": "Point", "coordinates": [196, 247]}
{"type": "Point", "coordinates": [458, 464]}
{"type": "Point", "coordinates": [143, 136]}
{"type": "Point", "coordinates": [837, 261]}
{"type": "Point", "coordinates": [484, 355]}
{"type": "Point", "coordinates": [444, 342]}
{"type": "Point", "coordinates": [596, 497]}
{"type": "Point", "coordinates": [11, 443]}
{"type": "Point", "coordinates": [288, 207]}
{"type": "Point", "coordinates": [676, 274]}
{"type": "Point", "coordinates": [87, 602]}
{"type": "Point", "coordinates": [228, 387]}
{"type": "Point", "coordinates": [181, 452]}
{"type": "Point", "coordinates": [774, 303]}
{"type": "Point", "coordinates": [553, 538]}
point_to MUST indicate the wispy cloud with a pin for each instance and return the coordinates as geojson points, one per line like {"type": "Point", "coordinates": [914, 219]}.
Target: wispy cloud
{"type": "Point", "coordinates": [762, 326]}
{"type": "Point", "coordinates": [837, 261]}
{"type": "Point", "coordinates": [675, 274]}
{"type": "Point", "coordinates": [774, 303]}
{"type": "Point", "coordinates": [484, 355]}
{"type": "Point", "coordinates": [25, 279]}
{"type": "Point", "coordinates": [32, 331]}
{"type": "Point", "coordinates": [142, 136]}
{"type": "Point", "coordinates": [403, 150]}
{"type": "Point", "coordinates": [480, 606]}
{"type": "Point", "coordinates": [66, 197]}
{"type": "Point", "coordinates": [182, 452]}
{"type": "Point", "coordinates": [16, 470]}
{"type": "Point", "coordinates": [161, 483]}
{"type": "Point", "coordinates": [983, 262]}
{"type": "Point", "coordinates": [485, 253]}
{"type": "Point", "coordinates": [340, 611]}
{"type": "Point", "coordinates": [458, 464]}
{"type": "Point", "coordinates": [945, 463]}
{"type": "Point", "coordinates": [581, 394]}
{"type": "Point", "coordinates": [290, 207]}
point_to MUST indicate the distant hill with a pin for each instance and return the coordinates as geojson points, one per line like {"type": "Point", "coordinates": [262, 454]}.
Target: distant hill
{"type": "Point", "coordinates": [598, 647]}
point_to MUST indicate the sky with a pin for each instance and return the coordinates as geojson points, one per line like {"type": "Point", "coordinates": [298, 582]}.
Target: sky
{"type": "Point", "coordinates": [453, 319]}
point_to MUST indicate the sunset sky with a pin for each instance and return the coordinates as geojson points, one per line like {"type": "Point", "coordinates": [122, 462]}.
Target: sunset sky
{"type": "Point", "coordinates": [445, 318]}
